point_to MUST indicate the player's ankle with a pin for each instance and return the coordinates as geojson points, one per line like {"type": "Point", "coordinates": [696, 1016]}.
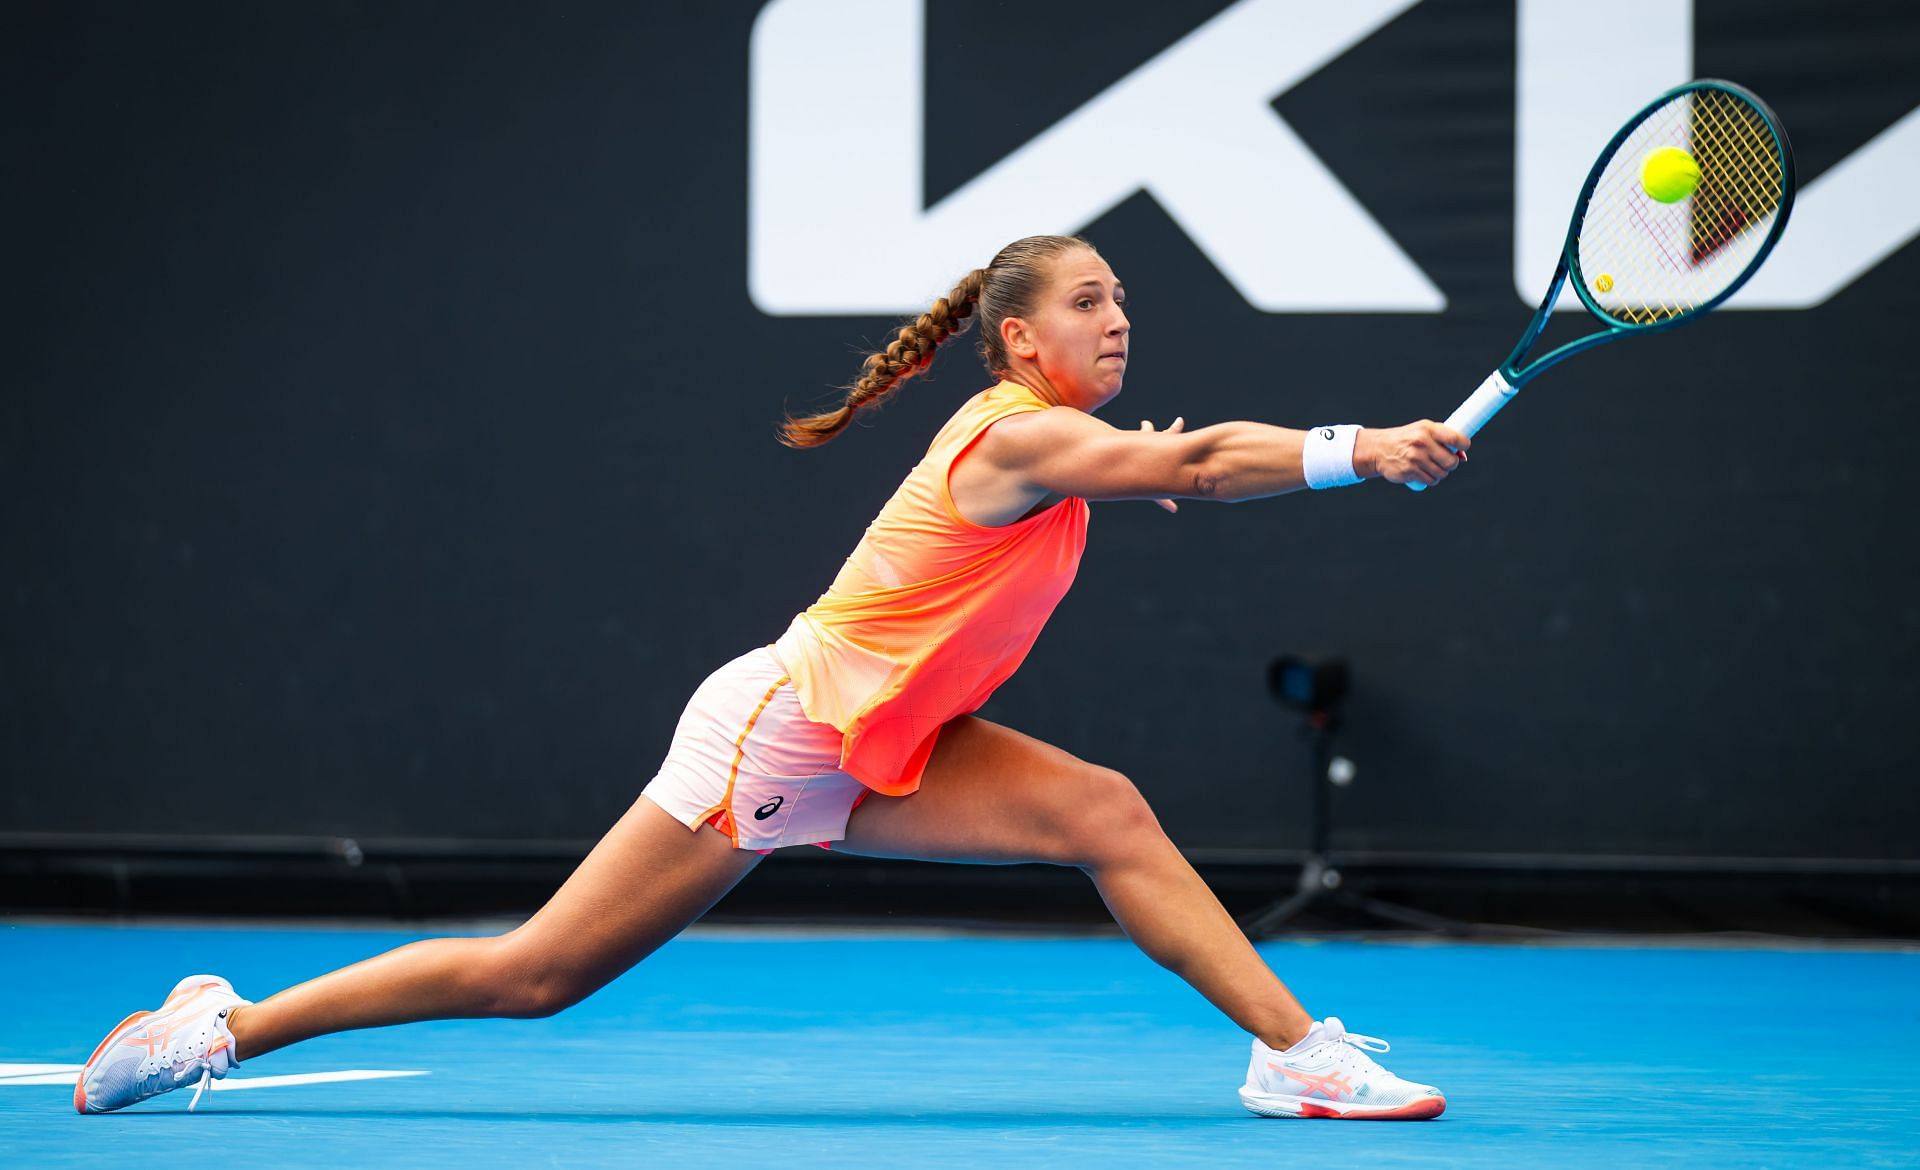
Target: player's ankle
{"type": "Point", "coordinates": [240, 1048]}
{"type": "Point", "coordinates": [1287, 1033]}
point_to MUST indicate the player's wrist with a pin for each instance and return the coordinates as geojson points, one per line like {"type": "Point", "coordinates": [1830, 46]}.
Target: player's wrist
{"type": "Point", "coordinates": [1327, 456]}
{"type": "Point", "coordinates": [1366, 454]}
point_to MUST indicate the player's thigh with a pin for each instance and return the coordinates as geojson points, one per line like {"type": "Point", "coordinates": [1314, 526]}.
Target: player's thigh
{"type": "Point", "coordinates": [645, 882]}
{"type": "Point", "coordinates": [992, 794]}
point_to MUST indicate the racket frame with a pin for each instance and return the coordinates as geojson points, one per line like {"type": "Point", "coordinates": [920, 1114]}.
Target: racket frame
{"type": "Point", "coordinates": [1506, 381]}
{"type": "Point", "coordinates": [1517, 375]}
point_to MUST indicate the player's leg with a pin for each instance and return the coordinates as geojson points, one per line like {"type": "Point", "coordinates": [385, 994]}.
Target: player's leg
{"type": "Point", "coordinates": [644, 883]}
{"type": "Point", "coordinates": [992, 794]}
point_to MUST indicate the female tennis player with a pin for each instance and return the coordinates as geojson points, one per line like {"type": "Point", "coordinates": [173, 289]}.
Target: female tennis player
{"type": "Point", "coordinates": [855, 727]}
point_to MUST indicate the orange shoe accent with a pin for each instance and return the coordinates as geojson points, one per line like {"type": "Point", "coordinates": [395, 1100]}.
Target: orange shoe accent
{"type": "Point", "coordinates": [1334, 1087]}
{"type": "Point", "coordinates": [1419, 1110]}
{"type": "Point", "coordinates": [80, 1082]}
{"type": "Point", "coordinates": [182, 996]}
{"type": "Point", "coordinates": [117, 1029]}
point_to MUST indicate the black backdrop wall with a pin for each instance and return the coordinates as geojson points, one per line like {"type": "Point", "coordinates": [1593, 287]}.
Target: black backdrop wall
{"type": "Point", "coordinates": [387, 443]}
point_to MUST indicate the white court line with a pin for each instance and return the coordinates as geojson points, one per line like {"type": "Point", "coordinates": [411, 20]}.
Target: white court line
{"type": "Point", "coordinates": [63, 1074]}
{"type": "Point", "coordinates": [38, 1074]}
{"type": "Point", "coordinates": [319, 1078]}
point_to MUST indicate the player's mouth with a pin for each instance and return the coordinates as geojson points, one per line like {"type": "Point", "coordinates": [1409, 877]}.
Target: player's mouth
{"type": "Point", "coordinates": [1118, 353]}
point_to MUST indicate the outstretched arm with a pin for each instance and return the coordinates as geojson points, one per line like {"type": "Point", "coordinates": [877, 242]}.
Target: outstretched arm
{"type": "Point", "coordinates": [1071, 453]}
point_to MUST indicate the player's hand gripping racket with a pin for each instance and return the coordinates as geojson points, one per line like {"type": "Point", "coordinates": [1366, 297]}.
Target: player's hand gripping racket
{"type": "Point", "coordinates": [1680, 209]}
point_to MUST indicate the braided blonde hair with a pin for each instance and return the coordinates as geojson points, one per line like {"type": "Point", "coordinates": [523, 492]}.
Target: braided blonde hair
{"type": "Point", "coordinates": [1009, 286]}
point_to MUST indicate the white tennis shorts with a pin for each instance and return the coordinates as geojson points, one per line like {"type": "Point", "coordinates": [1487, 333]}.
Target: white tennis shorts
{"type": "Point", "coordinates": [748, 761]}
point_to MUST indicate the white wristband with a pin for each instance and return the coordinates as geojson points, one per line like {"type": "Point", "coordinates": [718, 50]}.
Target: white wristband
{"type": "Point", "coordinates": [1327, 457]}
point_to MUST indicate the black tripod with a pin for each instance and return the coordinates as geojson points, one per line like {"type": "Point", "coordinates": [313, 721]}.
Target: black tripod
{"type": "Point", "coordinates": [1316, 688]}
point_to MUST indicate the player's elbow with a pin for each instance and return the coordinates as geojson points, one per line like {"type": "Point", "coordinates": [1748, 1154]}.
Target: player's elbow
{"type": "Point", "coordinates": [1210, 477]}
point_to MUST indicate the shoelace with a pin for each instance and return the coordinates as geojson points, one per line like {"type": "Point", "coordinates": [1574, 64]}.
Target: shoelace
{"type": "Point", "coordinates": [206, 1069]}
{"type": "Point", "coordinates": [1350, 1049]}
{"type": "Point", "coordinates": [206, 1079]}
{"type": "Point", "coordinates": [180, 1052]}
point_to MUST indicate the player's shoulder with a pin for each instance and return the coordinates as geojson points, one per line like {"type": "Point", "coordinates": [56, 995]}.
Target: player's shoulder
{"type": "Point", "coordinates": [1027, 434]}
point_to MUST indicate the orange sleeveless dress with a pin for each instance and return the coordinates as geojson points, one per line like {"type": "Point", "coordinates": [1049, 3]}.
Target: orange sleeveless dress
{"type": "Point", "coordinates": [932, 612]}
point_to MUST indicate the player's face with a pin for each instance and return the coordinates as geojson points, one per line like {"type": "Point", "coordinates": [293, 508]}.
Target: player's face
{"type": "Point", "coordinates": [1080, 331]}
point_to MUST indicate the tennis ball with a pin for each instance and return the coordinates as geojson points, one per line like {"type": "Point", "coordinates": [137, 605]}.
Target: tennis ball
{"type": "Point", "coordinates": [1605, 283]}
{"type": "Point", "coordinates": [1669, 174]}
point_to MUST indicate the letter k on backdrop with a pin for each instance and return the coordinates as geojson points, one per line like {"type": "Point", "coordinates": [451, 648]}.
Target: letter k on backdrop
{"type": "Point", "coordinates": [1194, 127]}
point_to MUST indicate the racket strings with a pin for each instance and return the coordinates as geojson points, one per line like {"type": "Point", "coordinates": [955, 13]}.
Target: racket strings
{"type": "Point", "coordinates": [1740, 175]}
{"type": "Point", "coordinates": [1632, 251]}
{"type": "Point", "coordinates": [1644, 261]}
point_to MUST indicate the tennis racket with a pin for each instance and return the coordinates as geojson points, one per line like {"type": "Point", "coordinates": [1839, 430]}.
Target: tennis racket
{"type": "Point", "coordinates": [1640, 264]}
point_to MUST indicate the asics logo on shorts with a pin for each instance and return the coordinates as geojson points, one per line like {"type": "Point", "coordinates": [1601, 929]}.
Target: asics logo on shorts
{"type": "Point", "coordinates": [768, 809]}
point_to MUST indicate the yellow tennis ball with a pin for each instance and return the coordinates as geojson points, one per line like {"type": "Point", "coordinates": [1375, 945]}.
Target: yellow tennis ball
{"type": "Point", "coordinates": [1669, 174]}
{"type": "Point", "coordinates": [1605, 283]}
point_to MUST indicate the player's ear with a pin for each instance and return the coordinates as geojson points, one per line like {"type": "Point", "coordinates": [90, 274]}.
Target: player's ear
{"type": "Point", "coordinates": [1017, 335]}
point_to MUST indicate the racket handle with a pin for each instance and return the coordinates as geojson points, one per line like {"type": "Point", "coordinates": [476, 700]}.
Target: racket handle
{"type": "Point", "coordinates": [1480, 406]}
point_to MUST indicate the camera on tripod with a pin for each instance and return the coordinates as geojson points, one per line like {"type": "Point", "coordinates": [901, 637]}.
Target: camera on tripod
{"type": "Point", "coordinates": [1317, 688]}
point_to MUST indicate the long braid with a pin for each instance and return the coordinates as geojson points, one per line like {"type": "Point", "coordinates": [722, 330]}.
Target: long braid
{"type": "Point", "coordinates": [1010, 286]}
{"type": "Point", "coordinates": [910, 352]}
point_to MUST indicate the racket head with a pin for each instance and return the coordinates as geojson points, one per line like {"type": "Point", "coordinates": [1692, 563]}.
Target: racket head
{"type": "Point", "coordinates": [1639, 263]}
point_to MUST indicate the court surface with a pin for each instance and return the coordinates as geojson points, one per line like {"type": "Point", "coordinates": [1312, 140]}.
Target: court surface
{"type": "Point", "coordinates": [780, 1048]}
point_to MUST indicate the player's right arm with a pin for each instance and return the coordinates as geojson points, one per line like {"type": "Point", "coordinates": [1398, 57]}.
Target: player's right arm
{"type": "Point", "coordinates": [1070, 453]}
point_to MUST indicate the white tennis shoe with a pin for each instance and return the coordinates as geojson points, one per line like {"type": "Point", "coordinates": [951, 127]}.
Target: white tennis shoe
{"type": "Point", "coordinates": [150, 1053]}
{"type": "Point", "coordinates": [1330, 1074]}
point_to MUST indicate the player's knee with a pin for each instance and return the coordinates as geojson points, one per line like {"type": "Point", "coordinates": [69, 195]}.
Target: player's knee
{"type": "Point", "coordinates": [518, 984]}
{"type": "Point", "coordinates": [1111, 819]}
{"type": "Point", "coordinates": [536, 998]}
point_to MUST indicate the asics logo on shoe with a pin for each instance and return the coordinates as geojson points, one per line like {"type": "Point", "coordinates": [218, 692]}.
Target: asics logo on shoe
{"type": "Point", "coordinates": [768, 809]}
{"type": "Point", "coordinates": [157, 1036]}
{"type": "Point", "coordinates": [1334, 1086]}
{"type": "Point", "coordinates": [154, 1039]}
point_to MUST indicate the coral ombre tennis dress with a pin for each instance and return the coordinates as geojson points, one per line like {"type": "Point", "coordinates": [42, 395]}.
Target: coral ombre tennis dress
{"type": "Point", "coordinates": [932, 612]}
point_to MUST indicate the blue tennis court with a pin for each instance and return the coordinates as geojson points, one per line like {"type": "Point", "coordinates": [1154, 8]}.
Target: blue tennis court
{"type": "Point", "coordinates": [823, 1049]}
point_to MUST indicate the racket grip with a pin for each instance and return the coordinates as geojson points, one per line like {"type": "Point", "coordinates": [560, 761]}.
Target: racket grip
{"type": "Point", "coordinates": [1480, 406]}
